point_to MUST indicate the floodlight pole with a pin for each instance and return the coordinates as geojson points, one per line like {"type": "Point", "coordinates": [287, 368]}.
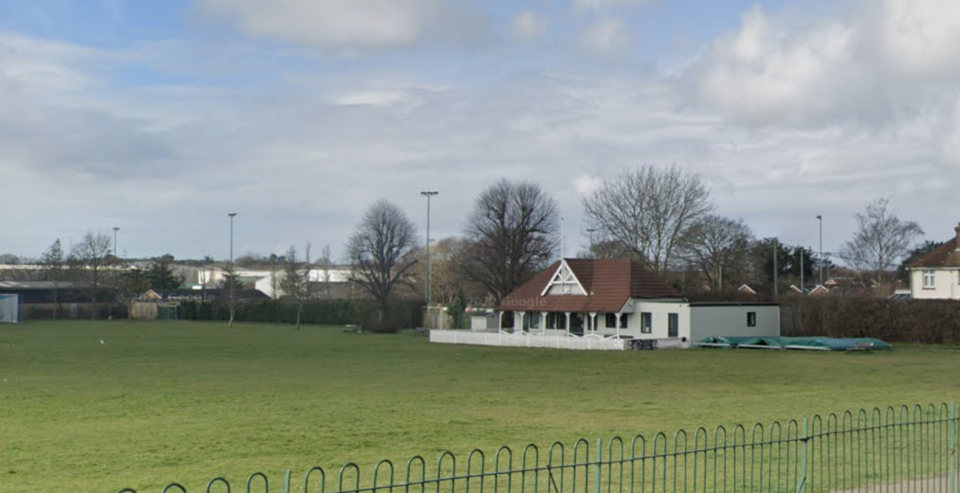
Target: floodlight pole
{"type": "Point", "coordinates": [820, 263]}
{"type": "Point", "coordinates": [802, 251]}
{"type": "Point", "coordinates": [233, 308]}
{"type": "Point", "coordinates": [426, 287]}
{"type": "Point", "coordinates": [115, 254]}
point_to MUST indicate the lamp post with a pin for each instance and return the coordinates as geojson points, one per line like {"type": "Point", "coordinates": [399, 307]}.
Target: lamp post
{"type": "Point", "coordinates": [233, 308]}
{"type": "Point", "coordinates": [820, 260]}
{"type": "Point", "coordinates": [426, 287]}
{"type": "Point", "coordinates": [115, 254]}
{"type": "Point", "coordinates": [802, 251]}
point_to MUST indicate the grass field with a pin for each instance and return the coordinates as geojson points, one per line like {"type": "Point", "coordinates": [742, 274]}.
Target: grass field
{"type": "Point", "coordinates": [162, 402]}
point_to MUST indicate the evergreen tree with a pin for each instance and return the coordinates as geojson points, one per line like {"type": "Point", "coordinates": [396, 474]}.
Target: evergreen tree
{"type": "Point", "coordinates": [162, 277]}
{"type": "Point", "coordinates": [53, 271]}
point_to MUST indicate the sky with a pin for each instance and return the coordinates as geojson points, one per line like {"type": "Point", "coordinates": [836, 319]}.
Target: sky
{"type": "Point", "coordinates": [161, 117]}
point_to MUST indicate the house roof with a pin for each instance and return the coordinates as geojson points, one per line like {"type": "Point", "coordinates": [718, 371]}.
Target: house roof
{"type": "Point", "coordinates": [945, 255]}
{"type": "Point", "coordinates": [609, 283]}
{"type": "Point", "coordinates": [819, 290]}
{"type": "Point", "coordinates": [746, 289]}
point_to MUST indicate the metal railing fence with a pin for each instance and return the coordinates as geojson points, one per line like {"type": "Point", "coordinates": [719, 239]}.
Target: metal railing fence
{"type": "Point", "coordinates": [892, 450]}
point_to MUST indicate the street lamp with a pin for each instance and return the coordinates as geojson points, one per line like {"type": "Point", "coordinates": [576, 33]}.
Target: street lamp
{"type": "Point", "coordinates": [820, 263]}
{"type": "Point", "coordinates": [115, 229]}
{"type": "Point", "coordinates": [426, 287]}
{"type": "Point", "coordinates": [233, 308]}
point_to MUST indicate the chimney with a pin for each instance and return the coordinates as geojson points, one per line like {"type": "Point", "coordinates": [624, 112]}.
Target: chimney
{"type": "Point", "coordinates": [957, 229]}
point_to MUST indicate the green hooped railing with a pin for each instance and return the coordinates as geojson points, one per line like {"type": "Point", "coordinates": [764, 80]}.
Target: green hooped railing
{"type": "Point", "coordinates": [905, 449]}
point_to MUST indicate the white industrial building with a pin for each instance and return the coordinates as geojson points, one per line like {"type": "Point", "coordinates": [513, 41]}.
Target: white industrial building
{"type": "Point", "coordinates": [332, 283]}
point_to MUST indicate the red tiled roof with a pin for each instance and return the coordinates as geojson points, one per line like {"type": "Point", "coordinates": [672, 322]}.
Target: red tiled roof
{"type": "Point", "coordinates": [609, 283]}
{"type": "Point", "coordinates": [945, 255]}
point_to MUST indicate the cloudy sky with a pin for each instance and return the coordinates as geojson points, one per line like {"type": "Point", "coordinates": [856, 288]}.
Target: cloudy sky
{"type": "Point", "coordinates": [160, 117]}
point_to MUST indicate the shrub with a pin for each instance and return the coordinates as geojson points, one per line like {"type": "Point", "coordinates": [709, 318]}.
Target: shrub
{"type": "Point", "coordinates": [917, 321]}
{"type": "Point", "coordinates": [323, 312]}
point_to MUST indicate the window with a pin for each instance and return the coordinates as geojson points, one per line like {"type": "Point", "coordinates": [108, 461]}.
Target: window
{"type": "Point", "coordinates": [673, 325]}
{"type": "Point", "coordinates": [751, 319]}
{"type": "Point", "coordinates": [611, 321]}
{"type": "Point", "coordinates": [929, 279]}
{"type": "Point", "coordinates": [623, 320]}
{"type": "Point", "coordinates": [646, 322]}
{"type": "Point", "coordinates": [576, 323]}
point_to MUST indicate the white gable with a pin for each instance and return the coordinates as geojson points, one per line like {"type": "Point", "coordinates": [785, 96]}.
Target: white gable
{"type": "Point", "coordinates": [564, 282]}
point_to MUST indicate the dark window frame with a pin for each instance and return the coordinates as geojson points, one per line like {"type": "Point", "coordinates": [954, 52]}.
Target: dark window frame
{"type": "Point", "coordinates": [646, 322]}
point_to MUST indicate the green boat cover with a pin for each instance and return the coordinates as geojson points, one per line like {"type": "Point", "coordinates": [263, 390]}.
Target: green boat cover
{"type": "Point", "coordinates": [808, 343]}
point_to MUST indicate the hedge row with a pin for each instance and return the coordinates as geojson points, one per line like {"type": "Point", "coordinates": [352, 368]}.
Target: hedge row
{"type": "Point", "coordinates": [917, 321]}
{"type": "Point", "coordinates": [404, 314]}
{"type": "Point", "coordinates": [78, 311]}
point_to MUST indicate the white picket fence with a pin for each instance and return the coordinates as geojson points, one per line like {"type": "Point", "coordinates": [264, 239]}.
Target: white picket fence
{"type": "Point", "coordinates": [525, 339]}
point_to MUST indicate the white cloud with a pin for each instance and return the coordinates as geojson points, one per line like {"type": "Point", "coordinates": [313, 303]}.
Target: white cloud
{"type": "Point", "coordinates": [950, 138]}
{"type": "Point", "coordinates": [44, 66]}
{"type": "Point", "coordinates": [528, 26]}
{"type": "Point", "coordinates": [763, 73]}
{"type": "Point", "coordinates": [865, 64]}
{"type": "Point", "coordinates": [300, 157]}
{"type": "Point", "coordinates": [919, 38]}
{"type": "Point", "coordinates": [348, 25]}
{"type": "Point", "coordinates": [587, 184]}
{"type": "Point", "coordinates": [605, 37]}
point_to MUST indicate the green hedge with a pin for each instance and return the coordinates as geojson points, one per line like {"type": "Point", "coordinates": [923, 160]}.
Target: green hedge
{"type": "Point", "coordinates": [402, 314]}
{"type": "Point", "coordinates": [33, 311]}
{"type": "Point", "coordinates": [917, 321]}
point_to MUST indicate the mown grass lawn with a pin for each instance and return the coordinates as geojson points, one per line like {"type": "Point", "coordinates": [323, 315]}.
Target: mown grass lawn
{"type": "Point", "coordinates": [162, 402]}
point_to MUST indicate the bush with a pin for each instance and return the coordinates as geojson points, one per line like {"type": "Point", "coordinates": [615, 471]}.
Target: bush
{"type": "Point", "coordinates": [322, 312]}
{"type": "Point", "coordinates": [45, 311]}
{"type": "Point", "coordinates": [916, 321]}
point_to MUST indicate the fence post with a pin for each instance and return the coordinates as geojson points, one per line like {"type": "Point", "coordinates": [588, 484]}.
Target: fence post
{"type": "Point", "coordinates": [599, 458]}
{"type": "Point", "coordinates": [805, 440]}
{"type": "Point", "coordinates": [286, 482]}
{"type": "Point", "coordinates": [953, 446]}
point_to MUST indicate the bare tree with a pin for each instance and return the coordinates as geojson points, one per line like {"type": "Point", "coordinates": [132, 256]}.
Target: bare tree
{"type": "Point", "coordinates": [600, 248]}
{"type": "Point", "coordinates": [53, 271]}
{"type": "Point", "coordinates": [880, 240]}
{"type": "Point", "coordinates": [382, 252]}
{"type": "Point", "coordinates": [446, 276]}
{"type": "Point", "coordinates": [719, 246]}
{"type": "Point", "coordinates": [9, 259]}
{"type": "Point", "coordinates": [647, 211]}
{"type": "Point", "coordinates": [19, 268]}
{"type": "Point", "coordinates": [131, 284]}
{"type": "Point", "coordinates": [275, 280]}
{"type": "Point", "coordinates": [205, 265]}
{"type": "Point", "coordinates": [229, 280]}
{"type": "Point", "coordinates": [91, 255]}
{"type": "Point", "coordinates": [295, 284]}
{"type": "Point", "coordinates": [512, 234]}
{"type": "Point", "coordinates": [325, 263]}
